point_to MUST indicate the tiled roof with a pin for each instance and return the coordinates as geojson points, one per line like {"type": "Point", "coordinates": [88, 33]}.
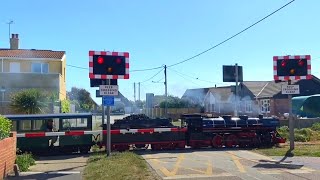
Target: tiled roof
{"type": "Point", "coordinates": [222, 93]}
{"type": "Point", "coordinates": [196, 94]}
{"type": "Point", "coordinates": [255, 86]}
{"type": "Point", "coordinates": [30, 53]}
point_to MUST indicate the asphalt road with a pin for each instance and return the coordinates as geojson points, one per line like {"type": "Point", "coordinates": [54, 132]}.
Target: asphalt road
{"type": "Point", "coordinates": [230, 165]}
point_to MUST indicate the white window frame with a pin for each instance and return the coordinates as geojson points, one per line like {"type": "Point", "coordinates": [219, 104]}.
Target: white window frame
{"type": "Point", "coordinates": [248, 106]}
{"type": "Point", "coordinates": [15, 67]}
{"type": "Point", "coordinates": [265, 105]}
{"type": "Point", "coordinates": [41, 67]}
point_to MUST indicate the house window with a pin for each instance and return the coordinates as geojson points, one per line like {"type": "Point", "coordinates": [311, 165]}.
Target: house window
{"type": "Point", "coordinates": [14, 67]}
{"type": "Point", "coordinates": [40, 67]}
{"type": "Point", "coordinates": [248, 106]}
{"type": "Point", "coordinates": [265, 105]}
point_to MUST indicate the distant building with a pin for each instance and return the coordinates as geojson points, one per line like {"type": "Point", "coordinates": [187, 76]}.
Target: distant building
{"type": "Point", "coordinates": [31, 68]}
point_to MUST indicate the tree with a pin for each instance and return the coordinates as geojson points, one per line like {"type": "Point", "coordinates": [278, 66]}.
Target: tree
{"type": "Point", "coordinates": [176, 102]}
{"type": "Point", "coordinates": [81, 98]}
{"type": "Point", "coordinates": [30, 101]}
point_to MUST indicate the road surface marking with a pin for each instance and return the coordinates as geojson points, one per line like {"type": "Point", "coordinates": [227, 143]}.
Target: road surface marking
{"type": "Point", "coordinates": [237, 162]}
{"type": "Point", "coordinates": [209, 168]}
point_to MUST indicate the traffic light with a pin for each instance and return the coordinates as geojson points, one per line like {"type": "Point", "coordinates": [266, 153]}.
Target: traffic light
{"type": "Point", "coordinates": [292, 67]}
{"type": "Point", "coordinates": [108, 65]}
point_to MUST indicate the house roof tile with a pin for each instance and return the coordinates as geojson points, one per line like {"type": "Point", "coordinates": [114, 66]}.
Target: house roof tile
{"type": "Point", "coordinates": [31, 53]}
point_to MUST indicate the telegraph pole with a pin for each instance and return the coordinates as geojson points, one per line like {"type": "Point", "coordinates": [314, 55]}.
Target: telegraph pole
{"type": "Point", "coordinates": [134, 91]}
{"type": "Point", "coordinates": [139, 92]}
{"type": "Point", "coordinates": [236, 93]}
{"type": "Point", "coordinates": [166, 91]}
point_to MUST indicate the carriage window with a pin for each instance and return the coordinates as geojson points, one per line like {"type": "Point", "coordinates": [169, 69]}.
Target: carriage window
{"type": "Point", "coordinates": [74, 123]}
{"type": "Point", "coordinates": [37, 125]}
{"type": "Point", "coordinates": [14, 126]}
{"type": "Point", "coordinates": [25, 125]}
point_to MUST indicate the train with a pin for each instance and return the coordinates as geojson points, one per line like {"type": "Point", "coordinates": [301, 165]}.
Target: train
{"type": "Point", "coordinates": [74, 132]}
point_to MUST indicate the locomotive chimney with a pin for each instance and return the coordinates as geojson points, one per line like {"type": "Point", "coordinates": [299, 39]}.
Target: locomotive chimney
{"type": "Point", "coordinates": [14, 41]}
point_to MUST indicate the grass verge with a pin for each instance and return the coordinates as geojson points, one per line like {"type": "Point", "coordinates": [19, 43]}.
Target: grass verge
{"type": "Point", "coordinates": [311, 149]}
{"type": "Point", "coordinates": [126, 165]}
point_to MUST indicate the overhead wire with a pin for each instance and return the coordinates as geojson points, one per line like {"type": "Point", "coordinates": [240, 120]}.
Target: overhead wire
{"type": "Point", "coordinates": [209, 49]}
{"type": "Point", "coordinates": [178, 73]}
{"type": "Point", "coordinates": [228, 39]}
{"type": "Point", "coordinates": [152, 76]}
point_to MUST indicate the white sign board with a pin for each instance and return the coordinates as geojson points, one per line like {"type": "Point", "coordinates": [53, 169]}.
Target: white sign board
{"type": "Point", "coordinates": [108, 90]}
{"type": "Point", "coordinates": [290, 89]}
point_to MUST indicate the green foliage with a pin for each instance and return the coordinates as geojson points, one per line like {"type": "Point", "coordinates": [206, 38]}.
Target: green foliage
{"type": "Point", "coordinates": [302, 135]}
{"type": "Point", "coordinates": [81, 98]}
{"type": "Point", "coordinates": [65, 106]}
{"type": "Point", "coordinates": [29, 101]}
{"type": "Point", "coordinates": [24, 161]}
{"type": "Point", "coordinates": [176, 102]}
{"type": "Point", "coordinates": [5, 127]}
{"type": "Point", "coordinates": [284, 131]}
{"type": "Point", "coordinates": [316, 127]}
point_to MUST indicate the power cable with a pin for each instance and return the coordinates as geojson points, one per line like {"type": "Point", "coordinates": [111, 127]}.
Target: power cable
{"type": "Point", "coordinates": [226, 40]}
{"type": "Point", "coordinates": [178, 73]}
{"type": "Point", "coordinates": [196, 78]}
{"type": "Point", "coordinates": [211, 48]}
{"type": "Point", "coordinates": [152, 76]}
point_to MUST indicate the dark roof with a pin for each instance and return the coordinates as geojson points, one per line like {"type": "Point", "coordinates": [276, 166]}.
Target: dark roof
{"type": "Point", "coordinates": [31, 53]}
{"type": "Point", "coordinates": [223, 93]}
{"type": "Point", "coordinates": [196, 94]}
{"type": "Point", "coordinates": [255, 86]}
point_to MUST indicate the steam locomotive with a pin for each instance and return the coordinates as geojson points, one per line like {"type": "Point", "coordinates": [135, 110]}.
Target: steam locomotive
{"type": "Point", "coordinates": [196, 131]}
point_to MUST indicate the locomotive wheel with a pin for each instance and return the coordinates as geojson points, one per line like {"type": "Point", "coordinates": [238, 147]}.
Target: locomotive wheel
{"type": "Point", "coordinates": [231, 141]}
{"type": "Point", "coordinates": [217, 141]}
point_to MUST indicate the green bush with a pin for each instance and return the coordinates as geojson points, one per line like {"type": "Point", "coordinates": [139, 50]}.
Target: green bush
{"type": "Point", "coordinates": [316, 127]}
{"type": "Point", "coordinates": [284, 131]}
{"type": "Point", "coordinates": [5, 127]}
{"type": "Point", "coordinates": [24, 161]}
{"type": "Point", "coordinates": [303, 134]}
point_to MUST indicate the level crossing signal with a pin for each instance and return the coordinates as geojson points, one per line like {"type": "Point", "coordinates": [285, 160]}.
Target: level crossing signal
{"type": "Point", "coordinates": [108, 65]}
{"type": "Point", "coordinates": [292, 67]}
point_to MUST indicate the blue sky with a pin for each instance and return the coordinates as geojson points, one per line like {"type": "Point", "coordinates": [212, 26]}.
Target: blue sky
{"type": "Point", "coordinates": [165, 32]}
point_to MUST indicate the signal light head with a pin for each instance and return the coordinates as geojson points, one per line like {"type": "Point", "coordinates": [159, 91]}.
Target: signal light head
{"type": "Point", "coordinates": [118, 61]}
{"type": "Point", "coordinates": [292, 71]}
{"type": "Point", "coordinates": [100, 60]}
{"type": "Point", "coordinates": [109, 70]}
{"type": "Point", "coordinates": [283, 63]}
{"type": "Point", "coordinates": [301, 63]}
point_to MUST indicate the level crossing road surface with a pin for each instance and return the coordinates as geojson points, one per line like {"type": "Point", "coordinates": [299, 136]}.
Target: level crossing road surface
{"type": "Point", "coordinates": [68, 167]}
{"type": "Point", "coordinates": [230, 165]}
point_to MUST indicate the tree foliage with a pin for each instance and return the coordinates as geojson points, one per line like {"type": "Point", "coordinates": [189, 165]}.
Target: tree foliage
{"type": "Point", "coordinates": [65, 106]}
{"type": "Point", "coordinates": [176, 102]}
{"type": "Point", "coordinates": [5, 127]}
{"type": "Point", "coordinates": [81, 98]}
{"type": "Point", "coordinates": [29, 101]}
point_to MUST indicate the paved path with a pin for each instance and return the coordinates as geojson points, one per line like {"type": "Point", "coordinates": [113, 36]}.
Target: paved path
{"type": "Point", "coordinates": [56, 167]}
{"type": "Point", "coordinates": [233, 164]}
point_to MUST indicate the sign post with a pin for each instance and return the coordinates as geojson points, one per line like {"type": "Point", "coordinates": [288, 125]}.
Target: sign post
{"type": "Point", "coordinates": [105, 68]}
{"type": "Point", "coordinates": [287, 68]}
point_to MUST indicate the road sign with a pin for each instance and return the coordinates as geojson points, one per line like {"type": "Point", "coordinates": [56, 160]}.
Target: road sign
{"type": "Point", "coordinates": [108, 100]}
{"type": "Point", "coordinates": [108, 90]}
{"type": "Point", "coordinates": [229, 73]}
{"type": "Point", "coordinates": [290, 89]}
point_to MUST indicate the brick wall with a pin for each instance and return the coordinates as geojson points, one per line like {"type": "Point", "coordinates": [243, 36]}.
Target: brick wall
{"type": "Point", "coordinates": [7, 155]}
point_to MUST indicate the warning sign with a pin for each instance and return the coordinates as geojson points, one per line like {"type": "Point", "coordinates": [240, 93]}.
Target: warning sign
{"type": "Point", "coordinates": [290, 89]}
{"type": "Point", "coordinates": [108, 90]}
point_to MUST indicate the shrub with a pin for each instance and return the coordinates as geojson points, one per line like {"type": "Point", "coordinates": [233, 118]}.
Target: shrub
{"type": "Point", "coordinates": [284, 131]}
{"type": "Point", "coordinates": [316, 127]}
{"type": "Point", "coordinates": [5, 127]}
{"type": "Point", "coordinates": [24, 161]}
{"type": "Point", "coordinates": [303, 134]}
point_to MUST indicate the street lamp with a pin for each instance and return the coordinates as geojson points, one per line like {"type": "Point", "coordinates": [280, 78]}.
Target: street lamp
{"type": "Point", "coordinates": [3, 90]}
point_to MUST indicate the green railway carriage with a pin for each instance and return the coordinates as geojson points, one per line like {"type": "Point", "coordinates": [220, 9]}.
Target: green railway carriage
{"type": "Point", "coordinates": [39, 124]}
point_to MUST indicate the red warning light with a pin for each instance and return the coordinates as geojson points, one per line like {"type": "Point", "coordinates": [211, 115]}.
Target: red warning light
{"type": "Point", "coordinates": [283, 63]}
{"type": "Point", "coordinates": [118, 61]}
{"type": "Point", "coordinates": [100, 60]}
{"type": "Point", "coordinates": [301, 63]}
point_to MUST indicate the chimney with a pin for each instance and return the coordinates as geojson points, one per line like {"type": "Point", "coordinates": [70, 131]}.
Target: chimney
{"type": "Point", "coordinates": [14, 41]}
